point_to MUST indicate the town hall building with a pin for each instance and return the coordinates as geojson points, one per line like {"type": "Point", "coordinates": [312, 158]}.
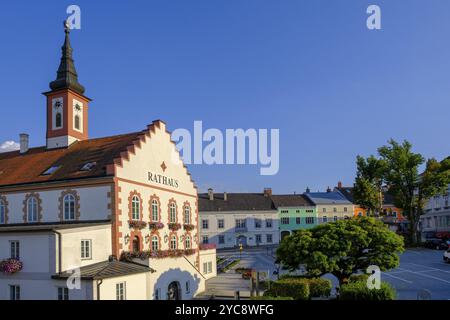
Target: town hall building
{"type": "Point", "coordinates": [97, 218]}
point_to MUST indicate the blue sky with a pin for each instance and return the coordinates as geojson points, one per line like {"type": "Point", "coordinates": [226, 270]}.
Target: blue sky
{"type": "Point", "coordinates": [310, 68]}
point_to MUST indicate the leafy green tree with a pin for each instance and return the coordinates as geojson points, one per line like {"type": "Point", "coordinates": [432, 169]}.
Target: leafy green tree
{"type": "Point", "coordinates": [411, 190]}
{"type": "Point", "coordinates": [367, 191]}
{"type": "Point", "coordinates": [341, 248]}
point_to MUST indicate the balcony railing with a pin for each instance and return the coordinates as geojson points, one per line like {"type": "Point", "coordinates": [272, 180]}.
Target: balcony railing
{"type": "Point", "coordinates": [240, 229]}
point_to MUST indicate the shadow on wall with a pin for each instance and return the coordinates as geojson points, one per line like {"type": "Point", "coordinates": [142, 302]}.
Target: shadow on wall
{"type": "Point", "coordinates": [175, 284]}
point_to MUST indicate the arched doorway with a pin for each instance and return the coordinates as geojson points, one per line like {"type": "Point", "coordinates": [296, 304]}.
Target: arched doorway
{"type": "Point", "coordinates": [241, 240]}
{"type": "Point", "coordinates": [284, 234]}
{"type": "Point", "coordinates": [174, 291]}
{"type": "Point", "coordinates": [136, 244]}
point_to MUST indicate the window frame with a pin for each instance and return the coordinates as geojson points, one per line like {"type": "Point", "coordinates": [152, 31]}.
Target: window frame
{"type": "Point", "coordinates": [63, 293]}
{"type": "Point", "coordinates": [188, 242]}
{"type": "Point", "coordinates": [135, 208]}
{"type": "Point", "coordinates": [68, 208]}
{"type": "Point", "coordinates": [32, 209]}
{"type": "Point", "coordinates": [187, 214]}
{"type": "Point", "coordinates": [14, 292]}
{"type": "Point", "coordinates": [153, 243]}
{"type": "Point", "coordinates": [14, 245]}
{"type": "Point", "coordinates": [173, 240]}
{"type": "Point", "coordinates": [83, 249]}
{"type": "Point", "coordinates": [172, 212]}
{"type": "Point", "coordinates": [2, 211]}
{"type": "Point", "coordinates": [121, 290]}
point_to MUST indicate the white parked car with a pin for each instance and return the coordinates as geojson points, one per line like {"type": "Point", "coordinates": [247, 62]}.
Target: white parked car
{"type": "Point", "coordinates": [447, 255]}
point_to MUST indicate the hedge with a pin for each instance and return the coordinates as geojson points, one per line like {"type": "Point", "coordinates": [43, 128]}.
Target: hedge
{"type": "Point", "coordinates": [318, 287]}
{"type": "Point", "coordinates": [298, 289]}
{"type": "Point", "coordinates": [358, 290]}
{"type": "Point", "coordinates": [358, 277]}
{"type": "Point", "coordinates": [271, 298]}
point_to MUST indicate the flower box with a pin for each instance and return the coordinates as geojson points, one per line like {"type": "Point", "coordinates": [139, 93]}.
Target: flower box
{"type": "Point", "coordinates": [137, 224]}
{"type": "Point", "coordinates": [156, 225]}
{"type": "Point", "coordinates": [129, 256]}
{"type": "Point", "coordinates": [174, 226]}
{"type": "Point", "coordinates": [11, 265]}
{"type": "Point", "coordinates": [189, 227]}
{"type": "Point", "coordinates": [207, 246]}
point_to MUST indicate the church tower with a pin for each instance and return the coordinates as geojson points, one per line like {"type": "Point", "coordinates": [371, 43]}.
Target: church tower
{"type": "Point", "coordinates": [67, 107]}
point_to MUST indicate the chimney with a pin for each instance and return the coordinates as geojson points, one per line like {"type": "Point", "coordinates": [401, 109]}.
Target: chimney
{"type": "Point", "coordinates": [24, 138]}
{"type": "Point", "coordinates": [267, 192]}
{"type": "Point", "coordinates": [328, 189]}
{"type": "Point", "coordinates": [339, 184]}
{"type": "Point", "coordinates": [225, 196]}
{"type": "Point", "coordinates": [210, 194]}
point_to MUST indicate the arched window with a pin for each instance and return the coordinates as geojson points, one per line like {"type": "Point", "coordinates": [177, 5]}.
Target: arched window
{"type": "Point", "coordinates": [136, 244]}
{"type": "Point", "coordinates": [2, 212]}
{"type": "Point", "coordinates": [136, 208]}
{"type": "Point", "coordinates": [58, 120]}
{"type": "Point", "coordinates": [188, 242]}
{"type": "Point", "coordinates": [69, 207]}
{"type": "Point", "coordinates": [77, 122]}
{"type": "Point", "coordinates": [155, 210]}
{"type": "Point", "coordinates": [155, 243]}
{"type": "Point", "coordinates": [173, 212]}
{"type": "Point", "coordinates": [173, 242]}
{"type": "Point", "coordinates": [32, 209]}
{"type": "Point", "coordinates": [187, 214]}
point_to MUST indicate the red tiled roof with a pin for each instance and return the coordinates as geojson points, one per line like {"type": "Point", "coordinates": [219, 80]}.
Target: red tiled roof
{"type": "Point", "coordinates": [16, 168]}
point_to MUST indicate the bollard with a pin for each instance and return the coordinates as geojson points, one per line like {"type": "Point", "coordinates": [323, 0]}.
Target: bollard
{"type": "Point", "coordinates": [236, 295]}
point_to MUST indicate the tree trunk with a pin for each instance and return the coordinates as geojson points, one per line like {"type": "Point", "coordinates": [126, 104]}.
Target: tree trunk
{"type": "Point", "coordinates": [413, 221]}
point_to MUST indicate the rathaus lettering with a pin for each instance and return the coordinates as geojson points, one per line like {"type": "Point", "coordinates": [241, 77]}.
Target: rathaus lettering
{"type": "Point", "coordinates": [159, 178]}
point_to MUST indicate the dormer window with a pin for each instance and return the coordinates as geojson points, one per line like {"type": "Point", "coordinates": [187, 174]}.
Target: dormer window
{"type": "Point", "coordinates": [88, 166]}
{"type": "Point", "coordinates": [50, 170]}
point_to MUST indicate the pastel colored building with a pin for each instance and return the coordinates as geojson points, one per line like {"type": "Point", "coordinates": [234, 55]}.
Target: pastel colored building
{"type": "Point", "coordinates": [117, 212]}
{"type": "Point", "coordinates": [391, 215]}
{"type": "Point", "coordinates": [295, 212]}
{"type": "Point", "coordinates": [232, 219]}
{"type": "Point", "coordinates": [330, 205]}
{"type": "Point", "coordinates": [436, 218]}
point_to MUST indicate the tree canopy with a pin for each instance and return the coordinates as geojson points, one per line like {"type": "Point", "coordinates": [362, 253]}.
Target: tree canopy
{"type": "Point", "coordinates": [342, 248]}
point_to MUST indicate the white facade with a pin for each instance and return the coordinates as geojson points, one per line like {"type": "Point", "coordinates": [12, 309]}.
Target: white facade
{"type": "Point", "coordinates": [149, 170]}
{"type": "Point", "coordinates": [94, 203]}
{"type": "Point", "coordinates": [39, 252]}
{"type": "Point", "coordinates": [249, 228]}
{"type": "Point", "coordinates": [437, 214]}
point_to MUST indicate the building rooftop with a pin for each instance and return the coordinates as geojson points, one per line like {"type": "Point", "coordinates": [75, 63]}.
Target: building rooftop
{"type": "Point", "coordinates": [106, 269]}
{"type": "Point", "coordinates": [235, 202]}
{"type": "Point", "coordinates": [291, 200]}
{"type": "Point", "coordinates": [66, 163]}
{"type": "Point", "coordinates": [332, 197]}
{"type": "Point", "coordinates": [49, 226]}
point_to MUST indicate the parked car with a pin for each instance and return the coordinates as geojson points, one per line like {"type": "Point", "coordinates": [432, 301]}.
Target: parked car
{"type": "Point", "coordinates": [438, 244]}
{"type": "Point", "coordinates": [447, 255]}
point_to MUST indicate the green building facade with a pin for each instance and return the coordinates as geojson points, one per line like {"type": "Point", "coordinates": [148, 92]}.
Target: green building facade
{"type": "Point", "coordinates": [295, 212]}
